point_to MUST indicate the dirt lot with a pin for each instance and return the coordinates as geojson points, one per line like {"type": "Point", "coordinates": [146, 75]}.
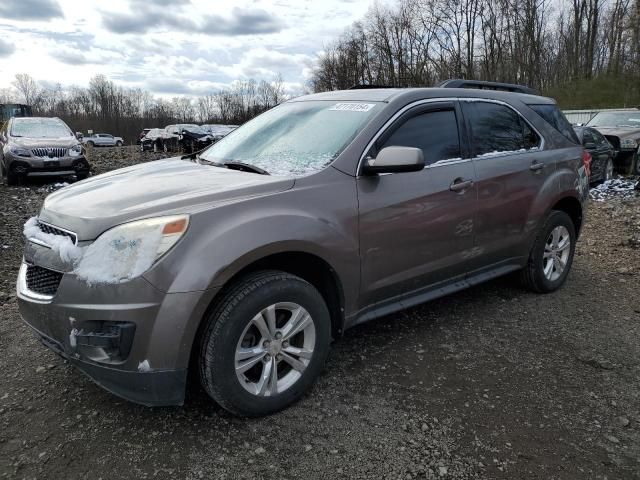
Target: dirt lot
{"type": "Point", "coordinates": [493, 382]}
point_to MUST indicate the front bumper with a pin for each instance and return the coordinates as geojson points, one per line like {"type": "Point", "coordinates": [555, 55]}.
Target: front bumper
{"type": "Point", "coordinates": [37, 166]}
{"type": "Point", "coordinates": [152, 369]}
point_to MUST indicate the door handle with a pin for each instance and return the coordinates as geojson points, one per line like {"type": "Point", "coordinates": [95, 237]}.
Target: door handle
{"type": "Point", "coordinates": [536, 166]}
{"type": "Point", "coordinates": [460, 185]}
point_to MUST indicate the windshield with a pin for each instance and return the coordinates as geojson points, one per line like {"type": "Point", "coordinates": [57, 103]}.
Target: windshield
{"type": "Point", "coordinates": [296, 138]}
{"type": "Point", "coordinates": [39, 128]}
{"type": "Point", "coordinates": [191, 128]}
{"type": "Point", "coordinates": [616, 119]}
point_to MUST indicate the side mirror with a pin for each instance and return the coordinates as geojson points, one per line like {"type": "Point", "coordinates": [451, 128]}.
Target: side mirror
{"type": "Point", "coordinates": [590, 146]}
{"type": "Point", "coordinates": [395, 160]}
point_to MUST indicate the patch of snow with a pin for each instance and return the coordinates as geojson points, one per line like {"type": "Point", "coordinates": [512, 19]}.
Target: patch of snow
{"type": "Point", "coordinates": [119, 255]}
{"type": "Point", "coordinates": [617, 187]}
{"type": "Point", "coordinates": [497, 153]}
{"type": "Point", "coordinates": [61, 244]}
{"type": "Point", "coordinates": [144, 366]}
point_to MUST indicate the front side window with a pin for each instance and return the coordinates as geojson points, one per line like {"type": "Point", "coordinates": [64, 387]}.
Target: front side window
{"type": "Point", "coordinates": [435, 133]}
{"type": "Point", "coordinates": [39, 128]}
{"type": "Point", "coordinates": [497, 128]}
{"type": "Point", "coordinates": [296, 138]}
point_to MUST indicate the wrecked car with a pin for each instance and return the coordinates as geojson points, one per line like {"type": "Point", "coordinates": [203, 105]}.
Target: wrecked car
{"type": "Point", "coordinates": [185, 138]}
{"type": "Point", "coordinates": [244, 261]}
{"type": "Point", "coordinates": [40, 146]}
{"type": "Point", "coordinates": [102, 140]}
{"type": "Point", "coordinates": [153, 140]}
{"type": "Point", "coordinates": [218, 132]}
{"type": "Point", "coordinates": [601, 151]}
{"type": "Point", "coordinates": [622, 130]}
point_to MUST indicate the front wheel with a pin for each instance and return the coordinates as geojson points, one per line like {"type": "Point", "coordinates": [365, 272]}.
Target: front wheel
{"type": "Point", "coordinates": [608, 171]}
{"type": "Point", "coordinates": [118, 143]}
{"type": "Point", "coordinates": [551, 256]}
{"type": "Point", "coordinates": [264, 344]}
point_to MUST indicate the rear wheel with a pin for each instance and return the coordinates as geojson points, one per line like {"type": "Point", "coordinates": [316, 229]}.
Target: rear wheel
{"type": "Point", "coordinates": [264, 344]}
{"type": "Point", "coordinates": [551, 256]}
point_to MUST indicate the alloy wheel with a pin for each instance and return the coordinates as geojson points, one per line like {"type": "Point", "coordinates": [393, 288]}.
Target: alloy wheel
{"type": "Point", "coordinates": [274, 349]}
{"type": "Point", "coordinates": [556, 252]}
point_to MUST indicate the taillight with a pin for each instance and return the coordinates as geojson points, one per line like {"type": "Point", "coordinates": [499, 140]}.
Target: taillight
{"type": "Point", "coordinates": [586, 160]}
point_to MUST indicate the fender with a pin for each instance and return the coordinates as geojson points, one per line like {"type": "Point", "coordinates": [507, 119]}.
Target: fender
{"type": "Point", "coordinates": [223, 241]}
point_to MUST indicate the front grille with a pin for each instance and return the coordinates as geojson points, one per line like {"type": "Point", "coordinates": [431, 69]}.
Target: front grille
{"type": "Point", "coordinates": [45, 228]}
{"type": "Point", "coordinates": [55, 152]}
{"type": "Point", "coordinates": [42, 280]}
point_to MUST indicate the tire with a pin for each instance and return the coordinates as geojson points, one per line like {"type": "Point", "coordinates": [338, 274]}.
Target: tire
{"type": "Point", "coordinates": [165, 148]}
{"type": "Point", "coordinates": [635, 163]}
{"type": "Point", "coordinates": [608, 170]}
{"type": "Point", "coordinates": [533, 275]}
{"type": "Point", "coordinates": [233, 325]}
{"type": "Point", "coordinates": [91, 144]}
{"type": "Point", "coordinates": [118, 143]}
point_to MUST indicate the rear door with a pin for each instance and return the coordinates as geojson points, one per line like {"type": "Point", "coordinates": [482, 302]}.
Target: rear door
{"type": "Point", "coordinates": [416, 229]}
{"type": "Point", "coordinates": [511, 169]}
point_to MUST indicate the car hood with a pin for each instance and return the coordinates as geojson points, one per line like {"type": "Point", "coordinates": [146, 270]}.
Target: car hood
{"type": "Point", "coordinates": [27, 142]}
{"type": "Point", "coordinates": [151, 189]}
{"type": "Point", "coordinates": [620, 132]}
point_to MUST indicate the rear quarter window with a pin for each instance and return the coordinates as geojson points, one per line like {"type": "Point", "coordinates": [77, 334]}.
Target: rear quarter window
{"type": "Point", "coordinates": [554, 117]}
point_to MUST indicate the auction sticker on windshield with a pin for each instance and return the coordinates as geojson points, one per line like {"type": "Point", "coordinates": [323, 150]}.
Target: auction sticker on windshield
{"type": "Point", "coordinates": [353, 107]}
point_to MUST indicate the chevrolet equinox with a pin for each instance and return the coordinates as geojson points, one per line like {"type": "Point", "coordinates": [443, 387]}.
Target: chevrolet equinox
{"type": "Point", "coordinates": [244, 261]}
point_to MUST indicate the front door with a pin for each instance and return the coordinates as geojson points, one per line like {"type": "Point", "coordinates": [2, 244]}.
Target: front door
{"type": "Point", "coordinates": [416, 229]}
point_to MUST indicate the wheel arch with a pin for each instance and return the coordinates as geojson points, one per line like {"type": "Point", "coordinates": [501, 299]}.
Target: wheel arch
{"type": "Point", "coordinates": [572, 207]}
{"type": "Point", "coordinates": [308, 266]}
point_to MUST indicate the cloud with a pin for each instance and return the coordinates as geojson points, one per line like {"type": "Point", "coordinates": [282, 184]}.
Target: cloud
{"type": "Point", "coordinates": [72, 57]}
{"type": "Point", "coordinates": [30, 9]}
{"type": "Point", "coordinates": [6, 48]}
{"type": "Point", "coordinates": [241, 22]}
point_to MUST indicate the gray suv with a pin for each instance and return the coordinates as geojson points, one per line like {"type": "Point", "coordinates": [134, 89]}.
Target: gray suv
{"type": "Point", "coordinates": [244, 261]}
{"type": "Point", "coordinates": [40, 146]}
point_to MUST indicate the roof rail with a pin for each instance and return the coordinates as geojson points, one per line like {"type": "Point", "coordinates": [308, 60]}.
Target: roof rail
{"type": "Point", "coordinates": [482, 85]}
{"type": "Point", "coordinates": [366, 86]}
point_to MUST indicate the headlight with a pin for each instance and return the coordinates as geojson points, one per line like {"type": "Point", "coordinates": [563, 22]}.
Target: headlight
{"type": "Point", "coordinates": [75, 150]}
{"type": "Point", "coordinates": [21, 152]}
{"type": "Point", "coordinates": [127, 251]}
{"type": "Point", "coordinates": [628, 143]}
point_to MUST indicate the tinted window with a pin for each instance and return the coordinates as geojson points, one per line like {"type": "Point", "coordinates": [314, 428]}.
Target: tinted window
{"type": "Point", "coordinates": [435, 133]}
{"type": "Point", "coordinates": [497, 128]}
{"type": "Point", "coordinates": [599, 138]}
{"type": "Point", "coordinates": [587, 137]}
{"type": "Point", "coordinates": [554, 117]}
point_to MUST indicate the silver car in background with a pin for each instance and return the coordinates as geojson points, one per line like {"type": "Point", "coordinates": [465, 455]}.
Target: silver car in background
{"type": "Point", "coordinates": [103, 140]}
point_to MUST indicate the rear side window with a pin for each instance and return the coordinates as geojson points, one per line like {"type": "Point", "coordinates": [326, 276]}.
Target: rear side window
{"type": "Point", "coordinates": [496, 129]}
{"type": "Point", "coordinates": [434, 132]}
{"type": "Point", "coordinates": [555, 118]}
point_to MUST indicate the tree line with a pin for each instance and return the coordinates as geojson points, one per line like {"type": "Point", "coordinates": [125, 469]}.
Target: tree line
{"type": "Point", "coordinates": [103, 106]}
{"type": "Point", "coordinates": [549, 44]}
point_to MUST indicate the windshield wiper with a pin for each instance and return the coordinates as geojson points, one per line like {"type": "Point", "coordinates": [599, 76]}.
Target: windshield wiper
{"type": "Point", "coordinates": [245, 167]}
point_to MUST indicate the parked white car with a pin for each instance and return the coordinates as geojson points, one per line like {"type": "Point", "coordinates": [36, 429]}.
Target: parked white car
{"type": "Point", "coordinates": [103, 140]}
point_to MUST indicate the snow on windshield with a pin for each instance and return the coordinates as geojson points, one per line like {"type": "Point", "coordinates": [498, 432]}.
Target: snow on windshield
{"type": "Point", "coordinates": [296, 138]}
{"type": "Point", "coordinates": [39, 128]}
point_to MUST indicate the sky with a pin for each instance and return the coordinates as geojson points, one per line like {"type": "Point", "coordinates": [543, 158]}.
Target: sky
{"type": "Point", "coordinates": [169, 47]}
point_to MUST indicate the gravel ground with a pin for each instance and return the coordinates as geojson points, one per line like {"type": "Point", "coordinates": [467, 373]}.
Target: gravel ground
{"type": "Point", "coordinates": [493, 382]}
